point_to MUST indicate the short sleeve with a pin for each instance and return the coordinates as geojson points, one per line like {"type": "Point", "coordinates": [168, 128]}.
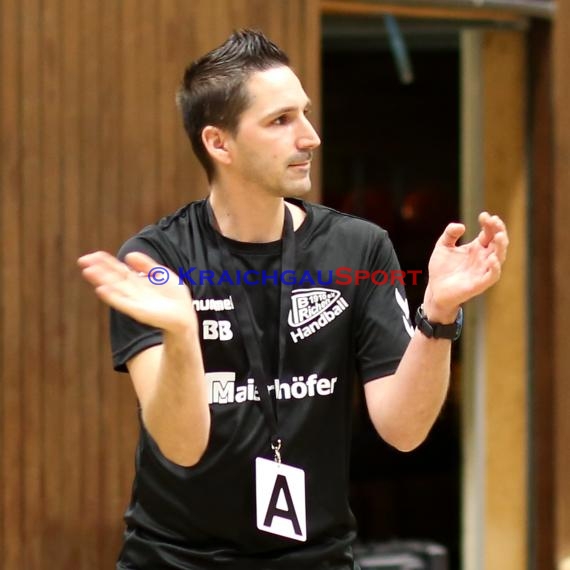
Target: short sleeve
{"type": "Point", "coordinates": [128, 336]}
{"type": "Point", "coordinates": [383, 328]}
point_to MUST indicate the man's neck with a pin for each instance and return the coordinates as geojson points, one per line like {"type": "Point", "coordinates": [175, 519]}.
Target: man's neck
{"type": "Point", "coordinates": [254, 219]}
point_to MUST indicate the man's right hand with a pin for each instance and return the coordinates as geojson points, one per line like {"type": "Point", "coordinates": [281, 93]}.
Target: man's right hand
{"type": "Point", "coordinates": [168, 378]}
{"type": "Point", "coordinates": [155, 301]}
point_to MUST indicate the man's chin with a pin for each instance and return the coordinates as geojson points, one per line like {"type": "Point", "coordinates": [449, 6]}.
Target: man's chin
{"type": "Point", "coordinates": [297, 190]}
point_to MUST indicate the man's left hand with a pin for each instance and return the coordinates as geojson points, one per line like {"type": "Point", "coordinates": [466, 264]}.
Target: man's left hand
{"type": "Point", "coordinates": [459, 273]}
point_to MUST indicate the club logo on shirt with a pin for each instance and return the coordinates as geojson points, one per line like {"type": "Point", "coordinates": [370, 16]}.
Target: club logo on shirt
{"type": "Point", "coordinates": [313, 309]}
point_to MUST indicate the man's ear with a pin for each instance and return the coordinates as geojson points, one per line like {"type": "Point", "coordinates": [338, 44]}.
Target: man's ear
{"type": "Point", "coordinates": [215, 141]}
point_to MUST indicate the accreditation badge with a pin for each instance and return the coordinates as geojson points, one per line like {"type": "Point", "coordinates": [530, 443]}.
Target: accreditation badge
{"type": "Point", "coordinates": [280, 497]}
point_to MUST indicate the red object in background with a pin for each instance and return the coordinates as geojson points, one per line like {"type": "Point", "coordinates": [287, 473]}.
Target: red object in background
{"type": "Point", "coordinates": [427, 210]}
{"type": "Point", "coordinates": [371, 203]}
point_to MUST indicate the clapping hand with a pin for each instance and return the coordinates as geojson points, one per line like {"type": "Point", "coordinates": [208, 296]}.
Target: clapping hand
{"type": "Point", "coordinates": [127, 288]}
{"type": "Point", "coordinates": [458, 273]}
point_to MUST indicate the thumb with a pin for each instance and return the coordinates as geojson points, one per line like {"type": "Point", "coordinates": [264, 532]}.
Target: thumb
{"type": "Point", "coordinates": [140, 262]}
{"type": "Point", "coordinates": [451, 234]}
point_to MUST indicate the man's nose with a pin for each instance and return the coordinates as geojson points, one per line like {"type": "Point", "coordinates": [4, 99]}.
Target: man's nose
{"type": "Point", "coordinates": [308, 139]}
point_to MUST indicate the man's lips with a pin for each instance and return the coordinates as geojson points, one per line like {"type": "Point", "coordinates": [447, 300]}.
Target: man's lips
{"type": "Point", "coordinates": [302, 160]}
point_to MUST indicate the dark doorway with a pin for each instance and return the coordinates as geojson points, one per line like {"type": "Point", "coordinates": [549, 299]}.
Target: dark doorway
{"type": "Point", "coordinates": [391, 155]}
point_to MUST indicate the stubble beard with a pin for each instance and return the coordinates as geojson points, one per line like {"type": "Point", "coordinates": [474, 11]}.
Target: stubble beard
{"type": "Point", "coordinates": [297, 188]}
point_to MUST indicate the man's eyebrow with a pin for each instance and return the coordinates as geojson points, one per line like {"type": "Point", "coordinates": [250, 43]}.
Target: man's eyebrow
{"type": "Point", "coordinates": [288, 109]}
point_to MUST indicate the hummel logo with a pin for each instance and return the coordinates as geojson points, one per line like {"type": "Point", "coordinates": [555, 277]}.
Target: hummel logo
{"type": "Point", "coordinates": [317, 306]}
{"type": "Point", "coordinates": [403, 304]}
{"type": "Point", "coordinates": [214, 304]}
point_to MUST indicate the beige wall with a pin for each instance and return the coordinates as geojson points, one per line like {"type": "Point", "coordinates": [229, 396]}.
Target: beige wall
{"type": "Point", "coordinates": [494, 395]}
{"type": "Point", "coordinates": [505, 328]}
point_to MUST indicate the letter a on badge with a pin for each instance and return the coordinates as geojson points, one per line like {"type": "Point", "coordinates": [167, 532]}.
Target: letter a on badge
{"type": "Point", "coordinates": [280, 493]}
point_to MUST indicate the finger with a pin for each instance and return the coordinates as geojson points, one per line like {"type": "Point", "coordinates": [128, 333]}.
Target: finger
{"type": "Point", "coordinates": [490, 274]}
{"type": "Point", "coordinates": [95, 258]}
{"type": "Point", "coordinates": [499, 224]}
{"type": "Point", "coordinates": [451, 234]}
{"type": "Point", "coordinates": [136, 261]}
{"type": "Point", "coordinates": [101, 275]}
{"type": "Point", "coordinates": [484, 218]}
{"type": "Point", "coordinates": [497, 246]}
{"type": "Point", "coordinates": [487, 229]}
{"type": "Point", "coordinates": [115, 297]}
{"type": "Point", "coordinates": [501, 242]}
{"type": "Point", "coordinates": [490, 226]}
{"type": "Point", "coordinates": [493, 273]}
{"type": "Point", "coordinates": [103, 261]}
{"type": "Point", "coordinates": [102, 268]}
{"type": "Point", "coordinates": [140, 262]}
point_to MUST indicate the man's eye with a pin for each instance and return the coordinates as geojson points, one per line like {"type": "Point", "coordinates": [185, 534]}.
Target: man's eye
{"type": "Point", "coordinates": [281, 120]}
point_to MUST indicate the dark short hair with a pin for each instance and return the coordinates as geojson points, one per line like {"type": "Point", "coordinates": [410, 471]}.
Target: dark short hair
{"type": "Point", "coordinates": [213, 90]}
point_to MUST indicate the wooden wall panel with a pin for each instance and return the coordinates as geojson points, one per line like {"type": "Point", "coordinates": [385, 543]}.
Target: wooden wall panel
{"type": "Point", "coordinates": [561, 300]}
{"type": "Point", "coordinates": [51, 256]}
{"type": "Point", "coordinates": [91, 367]}
{"type": "Point", "coordinates": [70, 408]}
{"type": "Point", "coordinates": [541, 313]}
{"type": "Point", "coordinates": [32, 377]}
{"type": "Point", "coordinates": [505, 334]}
{"type": "Point", "coordinates": [110, 114]}
{"type": "Point", "coordinates": [11, 465]}
{"type": "Point", "coordinates": [92, 149]}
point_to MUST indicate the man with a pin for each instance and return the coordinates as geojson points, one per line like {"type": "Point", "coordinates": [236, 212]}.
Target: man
{"type": "Point", "coordinates": [243, 374]}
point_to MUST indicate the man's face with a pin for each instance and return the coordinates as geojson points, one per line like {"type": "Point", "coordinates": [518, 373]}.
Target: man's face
{"type": "Point", "coordinates": [273, 146]}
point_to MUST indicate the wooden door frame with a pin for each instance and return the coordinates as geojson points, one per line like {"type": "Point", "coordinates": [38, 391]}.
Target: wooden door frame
{"type": "Point", "coordinates": [548, 235]}
{"type": "Point", "coordinates": [476, 494]}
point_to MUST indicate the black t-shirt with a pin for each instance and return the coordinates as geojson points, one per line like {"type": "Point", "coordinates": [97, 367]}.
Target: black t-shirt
{"type": "Point", "coordinates": [203, 517]}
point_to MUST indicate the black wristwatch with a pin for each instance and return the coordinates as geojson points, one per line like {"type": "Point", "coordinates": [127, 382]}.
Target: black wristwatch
{"type": "Point", "coordinates": [451, 331]}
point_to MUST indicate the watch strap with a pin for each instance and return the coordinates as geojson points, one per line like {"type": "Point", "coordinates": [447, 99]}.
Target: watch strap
{"type": "Point", "coordinates": [431, 329]}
